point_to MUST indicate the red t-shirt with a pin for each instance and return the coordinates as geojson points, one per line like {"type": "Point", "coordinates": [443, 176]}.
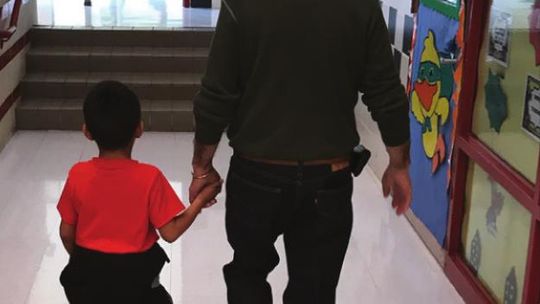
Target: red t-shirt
{"type": "Point", "coordinates": [117, 205]}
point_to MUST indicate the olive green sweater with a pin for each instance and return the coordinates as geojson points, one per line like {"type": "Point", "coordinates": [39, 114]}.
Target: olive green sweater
{"type": "Point", "coordinates": [284, 77]}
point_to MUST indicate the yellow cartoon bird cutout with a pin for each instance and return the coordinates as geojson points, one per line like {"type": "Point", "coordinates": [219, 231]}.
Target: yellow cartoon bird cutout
{"type": "Point", "coordinates": [431, 109]}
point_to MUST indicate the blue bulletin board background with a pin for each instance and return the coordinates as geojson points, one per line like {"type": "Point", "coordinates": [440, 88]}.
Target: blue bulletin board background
{"type": "Point", "coordinates": [430, 190]}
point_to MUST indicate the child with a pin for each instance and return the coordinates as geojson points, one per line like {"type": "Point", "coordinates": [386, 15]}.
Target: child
{"type": "Point", "coordinates": [112, 205]}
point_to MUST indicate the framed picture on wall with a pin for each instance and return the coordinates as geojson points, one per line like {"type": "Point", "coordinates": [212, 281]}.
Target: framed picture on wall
{"type": "Point", "coordinates": [531, 113]}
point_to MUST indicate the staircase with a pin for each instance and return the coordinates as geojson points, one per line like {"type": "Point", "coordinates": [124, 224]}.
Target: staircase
{"type": "Point", "coordinates": [164, 69]}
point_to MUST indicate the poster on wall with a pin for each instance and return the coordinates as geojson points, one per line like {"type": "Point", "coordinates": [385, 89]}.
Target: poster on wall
{"type": "Point", "coordinates": [430, 101]}
{"type": "Point", "coordinates": [499, 36]}
{"type": "Point", "coordinates": [432, 91]}
{"type": "Point", "coordinates": [531, 113]}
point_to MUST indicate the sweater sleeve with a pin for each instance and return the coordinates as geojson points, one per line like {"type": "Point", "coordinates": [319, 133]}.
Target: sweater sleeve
{"type": "Point", "coordinates": [215, 104]}
{"type": "Point", "coordinates": [383, 93]}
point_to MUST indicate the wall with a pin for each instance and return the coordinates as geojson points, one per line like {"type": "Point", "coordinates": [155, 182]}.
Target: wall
{"type": "Point", "coordinates": [13, 72]}
{"type": "Point", "coordinates": [216, 3]}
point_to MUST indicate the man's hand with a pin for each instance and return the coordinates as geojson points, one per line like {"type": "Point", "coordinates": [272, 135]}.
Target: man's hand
{"type": "Point", "coordinates": [208, 194]}
{"type": "Point", "coordinates": [199, 184]}
{"type": "Point", "coordinates": [396, 180]}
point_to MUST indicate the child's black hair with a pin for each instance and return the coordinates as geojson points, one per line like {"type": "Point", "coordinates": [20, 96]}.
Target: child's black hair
{"type": "Point", "coordinates": [112, 113]}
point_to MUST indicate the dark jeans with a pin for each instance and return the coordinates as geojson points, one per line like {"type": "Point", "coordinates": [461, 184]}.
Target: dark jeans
{"type": "Point", "coordinates": [311, 206]}
{"type": "Point", "coordinates": [93, 277]}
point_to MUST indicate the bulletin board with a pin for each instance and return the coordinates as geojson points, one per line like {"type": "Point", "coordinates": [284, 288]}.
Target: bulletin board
{"type": "Point", "coordinates": [434, 82]}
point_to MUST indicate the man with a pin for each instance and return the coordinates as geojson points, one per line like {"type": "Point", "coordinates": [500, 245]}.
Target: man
{"type": "Point", "coordinates": [283, 77]}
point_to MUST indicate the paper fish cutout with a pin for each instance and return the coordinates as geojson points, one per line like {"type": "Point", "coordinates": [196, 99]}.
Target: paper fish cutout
{"type": "Point", "coordinates": [476, 252]}
{"type": "Point", "coordinates": [496, 102]}
{"type": "Point", "coordinates": [429, 107]}
{"type": "Point", "coordinates": [497, 203]}
{"type": "Point", "coordinates": [510, 288]}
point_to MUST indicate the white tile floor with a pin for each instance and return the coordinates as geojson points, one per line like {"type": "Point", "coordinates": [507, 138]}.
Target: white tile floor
{"type": "Point", "coordinates": [386, 262]}
{"type": "Point", "coordinates": [146, 14]}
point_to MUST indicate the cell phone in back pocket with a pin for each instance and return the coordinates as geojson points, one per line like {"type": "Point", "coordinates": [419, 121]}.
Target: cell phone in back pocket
{"type": "Point", "coordinates": [359, 159]}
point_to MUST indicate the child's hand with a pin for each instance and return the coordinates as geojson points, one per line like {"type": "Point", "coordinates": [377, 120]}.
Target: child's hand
{"type": "Point", "coordinates": [208, 194]}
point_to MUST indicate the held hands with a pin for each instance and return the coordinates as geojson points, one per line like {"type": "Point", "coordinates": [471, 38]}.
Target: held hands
{"type": "Point", "coordinates": [177, 226]}
{"type": "Point", "coordinates": [209, 193]}
{"type": "Point", "coordinates": [205, 184]}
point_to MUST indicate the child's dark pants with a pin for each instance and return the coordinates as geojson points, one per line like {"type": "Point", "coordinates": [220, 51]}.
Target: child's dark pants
{"type": "Point", "coordinates": [96, 277]}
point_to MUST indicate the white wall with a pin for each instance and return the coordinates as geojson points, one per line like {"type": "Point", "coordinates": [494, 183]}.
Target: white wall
{"type": "Point", "coordinates": [368, 129]}
{"type": "Point", "coordinates": [401, 5]}
{"type": "Point", "coordinates": [216, 3]}
{"type": "Point", "coordinates": [371, 138]}
{"type": "Point", "coordinates": [12, 74]}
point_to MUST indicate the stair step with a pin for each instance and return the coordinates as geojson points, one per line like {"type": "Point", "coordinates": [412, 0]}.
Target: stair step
{"type": "Point", "coordinates": [66, 114]}
{"type": "Point", "coordinates": [154, 86]}
{"type": "Point", "coordinates": [117, 59]}
{"type": "Point", "coordinates": [163, 67]}
{"type": "Point", "coordinates": [185, 37]}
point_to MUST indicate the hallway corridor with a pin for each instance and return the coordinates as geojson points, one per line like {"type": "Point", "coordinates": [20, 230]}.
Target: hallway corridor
{"type": "Point", "coordinates": [386, 263]}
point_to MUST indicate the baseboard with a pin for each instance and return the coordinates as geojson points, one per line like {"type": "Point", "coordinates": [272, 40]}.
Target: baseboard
{"type": "Point", "coordinates": [427, 237]}
{"type": "Point", "coordinates": [7, 126]}
{"type": "Point", "coordinates": [423, 232]}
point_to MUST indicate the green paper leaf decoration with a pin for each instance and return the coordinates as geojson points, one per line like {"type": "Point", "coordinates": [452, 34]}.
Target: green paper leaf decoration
{"type": "Point", "coordinates": [496, 102]}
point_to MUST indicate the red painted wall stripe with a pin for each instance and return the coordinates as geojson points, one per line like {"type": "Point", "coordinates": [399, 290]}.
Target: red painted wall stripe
{"type": "Point", "coordinates": [10, 100]}
{"type": "Point", "coordinates": [5, 59]}
{"type": "Point", "coordinates": [14, 50]}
